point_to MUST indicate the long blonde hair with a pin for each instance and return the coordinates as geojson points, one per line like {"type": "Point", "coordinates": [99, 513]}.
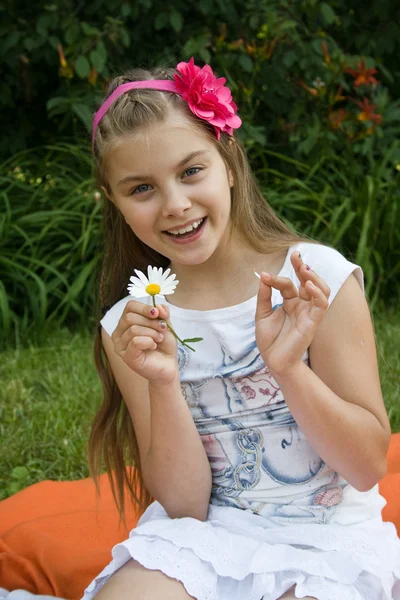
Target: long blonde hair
{"type": "Point", "coordinates": [112, 437]}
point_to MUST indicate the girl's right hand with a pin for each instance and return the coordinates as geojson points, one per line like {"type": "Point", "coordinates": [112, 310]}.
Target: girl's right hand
{"type": "Point", "coordinates": [144, 344]}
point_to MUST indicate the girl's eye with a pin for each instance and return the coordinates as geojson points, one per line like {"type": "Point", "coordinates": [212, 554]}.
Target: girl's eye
{"type": "Point", "coordinates": [140, 189]}
{"type": "Point", "coordinates": [192, 171]}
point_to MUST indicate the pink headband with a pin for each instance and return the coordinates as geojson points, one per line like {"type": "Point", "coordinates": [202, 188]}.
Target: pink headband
{"type": "Point", "coordinates": [208, 98]}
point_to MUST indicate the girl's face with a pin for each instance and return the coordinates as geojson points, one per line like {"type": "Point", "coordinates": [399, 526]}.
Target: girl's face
{"type": "Point", "coordinates": [168, 178]}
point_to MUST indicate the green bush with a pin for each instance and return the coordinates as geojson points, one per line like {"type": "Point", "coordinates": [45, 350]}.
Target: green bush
{"type": "Point", "coordinates": [285, 61]}
{"type": "Point", "coordinates": [49, 239]}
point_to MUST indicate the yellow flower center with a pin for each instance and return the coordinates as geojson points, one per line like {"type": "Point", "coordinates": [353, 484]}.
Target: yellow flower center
{"type": "Point", "coordinates": [153, 289]}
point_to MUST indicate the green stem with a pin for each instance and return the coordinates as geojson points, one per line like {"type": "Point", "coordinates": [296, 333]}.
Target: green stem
{"type": "Point", "coordinates": [172, 331]}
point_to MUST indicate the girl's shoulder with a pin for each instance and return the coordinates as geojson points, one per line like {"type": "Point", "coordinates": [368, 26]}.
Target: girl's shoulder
{"type": "Point", "coordinates": [327, 262]}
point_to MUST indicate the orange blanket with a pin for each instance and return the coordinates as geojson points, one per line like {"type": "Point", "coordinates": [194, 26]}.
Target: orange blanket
{"type": "Point", "coordinates": [55, 537]}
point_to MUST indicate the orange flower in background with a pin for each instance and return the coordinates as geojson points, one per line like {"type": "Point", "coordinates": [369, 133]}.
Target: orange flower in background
{"type": "Point", "coordinates": [61, 56]}
{"type": "Point", "coordinates": [339, 95]}
{"type": "Point", "coordinates": [325, 52]}
{"type": "Point", "coordinates": [270, 47]}
{"type": "Point", "coordinates": [337, 117]}
{"type": "Point", "coordinates": [65, 70]}
{"type": "Point", "coordinates": [236, 44]}
{"type": "Point", "coordinates": [367, 111]}
{"type": "Point", "coordinates": [310, 90]}
{"type": "Point", "coordinates": [92, 77]}
{"type": "Point", "coordinates": [223, 33]}
{"type": "Point", "coordinates": [362, 75]}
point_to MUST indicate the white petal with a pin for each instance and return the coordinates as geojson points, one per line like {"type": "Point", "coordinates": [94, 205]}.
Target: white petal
{"type": "Point", "coordinates": [171, 279]}
{"type": "Point", "coordinates": [136, 292]}
{"type": "Point", "coordinates": [157, 276]}
{"type": "Point", "coordinates": [142, 277]}
{"type": "Point", "coordinates": [150, 273]}
{"type": "Point", "coordinates": [167, 291]}
{"type": "Point", "coordinates": [136, 281]}
{"type": "Point", "coordinates": [172, 285]}
{"type": "Point", "coordinates": [165, 274]}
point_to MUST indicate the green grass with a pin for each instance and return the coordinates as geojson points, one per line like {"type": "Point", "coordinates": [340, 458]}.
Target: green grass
{"type": "Point", "coordinates": [49, 394]}
{"type": "Point", "coordinates": [48, 397]}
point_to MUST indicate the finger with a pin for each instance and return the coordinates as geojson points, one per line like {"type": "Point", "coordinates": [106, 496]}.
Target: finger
{"type": "Point", "coordinates": [140, 308]}
{"type": "Point", "coordinates": [285, 286]}
{"type": "Point", "coordinates": [163, 312]}
{"type": "Point", "coordinates": [137, 331]}
{"type": "Point", "coordinates": [144, 343]}
{"type": "Point", "coordinates": [264, 304]}
{"type": "Point", "coordinates": [319, 303]}
{"type": "Point", "coordinates": [131, 319]}
{"type": "Point", "coordinates": [307, 274]}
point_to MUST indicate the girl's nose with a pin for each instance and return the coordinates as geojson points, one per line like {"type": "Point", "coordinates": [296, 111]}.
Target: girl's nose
{"type": "Point", "coordinates": [175, 202]}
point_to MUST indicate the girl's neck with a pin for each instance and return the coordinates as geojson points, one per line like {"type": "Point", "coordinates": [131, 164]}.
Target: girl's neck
{"type": "Point", "coordinates": [221, 282]}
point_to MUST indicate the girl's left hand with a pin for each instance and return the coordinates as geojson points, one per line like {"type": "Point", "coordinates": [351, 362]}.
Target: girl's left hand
{"type": "Point", "coordinates": [283, 335]}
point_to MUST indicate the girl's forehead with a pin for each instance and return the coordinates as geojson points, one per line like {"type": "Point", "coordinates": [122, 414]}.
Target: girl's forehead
{"type": "Point", "coordinates": [159, 145]}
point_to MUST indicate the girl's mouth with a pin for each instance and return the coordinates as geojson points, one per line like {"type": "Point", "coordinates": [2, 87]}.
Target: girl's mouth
{"type": "Point", "coordinates": [189, 236]}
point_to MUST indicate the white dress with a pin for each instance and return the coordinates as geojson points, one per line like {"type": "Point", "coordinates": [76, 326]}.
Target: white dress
{"type": "Point", "coordinates": [278, 515]}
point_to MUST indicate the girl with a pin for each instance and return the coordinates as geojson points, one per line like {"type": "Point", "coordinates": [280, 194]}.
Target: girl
{"type": "Point", "coordinates": [262, 450]}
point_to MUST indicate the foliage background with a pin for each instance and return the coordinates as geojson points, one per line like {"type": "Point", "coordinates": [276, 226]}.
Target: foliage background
{"type": "Point", "coordinates": [320, 124]}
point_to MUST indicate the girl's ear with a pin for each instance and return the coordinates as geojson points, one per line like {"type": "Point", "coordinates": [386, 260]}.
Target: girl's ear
{"type": "Point", "coordinates": [107, 193]}
{"type": "Point", "coordinates": [231, 179]}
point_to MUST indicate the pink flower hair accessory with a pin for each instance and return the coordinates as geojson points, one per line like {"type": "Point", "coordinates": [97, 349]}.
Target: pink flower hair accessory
{"type": "Point", "coordinates": [207, 97]}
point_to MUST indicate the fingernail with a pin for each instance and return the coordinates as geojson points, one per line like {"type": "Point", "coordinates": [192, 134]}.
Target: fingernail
{"type": "Point", "coordinates": [163, 325]}
{"type": "Point", "coordinates": [308, 268]}
{"type": "Point", "coordinates": [153, 311]}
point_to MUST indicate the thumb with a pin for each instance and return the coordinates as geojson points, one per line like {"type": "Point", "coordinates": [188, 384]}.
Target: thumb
{"type": "Point", "coordinates": [264, 297]}
{"type": "Point", "coordinates": [163, 312]}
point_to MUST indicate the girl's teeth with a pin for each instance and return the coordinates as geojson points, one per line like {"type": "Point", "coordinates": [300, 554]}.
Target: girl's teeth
{"type": "Point", "coordinates": [186, 229]}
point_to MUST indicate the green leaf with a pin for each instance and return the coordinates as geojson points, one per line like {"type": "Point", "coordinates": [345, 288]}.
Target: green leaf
{"type": "Point", "coordinates": [101, 50]}
{"type": "Point", "coordinates": [205, 55]}
{"type": "Point", "coordinates": [160, 21]}
{"type": "Point", "coordinates": [193, 340]}
{"type": "Point", "coordinates": [126, 40]}
{"type": "Point", "coordinates": [84, 113]}
{"type": "Point", "coordinates": [54, 41]}
{"type": "Point", "coordinates": [97, 61]}
{"type": "Point", "coordinates": [204, 6]}
{"type": "Point", "coordinates": [246, 63]}
{"type": "Point", "coordinates": [176, 20]}
{"type": "Point", "coordinates": [72, 33]}
{"type": "Point", "coordinates": [19, 473]}
{"type": "Point", "coordinates": [289, 58]}
{"type": "Point", "coordinates": [57, 101]}
{"type": "Point", "coordinates": [327, 13]}
{"type": "Point", "coordinates": [10, 41]}
{"type": "Point", "coordinates": [42, 25]}
{"type": "Point", "coordinates": [190, 48]}
{"type": "Point", "coordinates": [89, 30]}
{"type": "Point", "coordinates": [82, 67]}
{"type": "Point", "coordinates": [125, 10]}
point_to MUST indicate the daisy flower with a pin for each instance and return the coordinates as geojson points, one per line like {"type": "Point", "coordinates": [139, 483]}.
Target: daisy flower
{"type": "Point", "coordinates": [155, 283]}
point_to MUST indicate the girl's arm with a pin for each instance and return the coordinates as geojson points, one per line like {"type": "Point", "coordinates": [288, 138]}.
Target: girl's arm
{"type": "Point", "coordinates": [338, 403]}
{"type": "Point", "coordinates": [174, 463]}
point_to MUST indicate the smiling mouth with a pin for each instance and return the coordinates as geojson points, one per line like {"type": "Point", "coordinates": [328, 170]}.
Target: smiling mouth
{"type": "Point", "coordinates": [193, 230]}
